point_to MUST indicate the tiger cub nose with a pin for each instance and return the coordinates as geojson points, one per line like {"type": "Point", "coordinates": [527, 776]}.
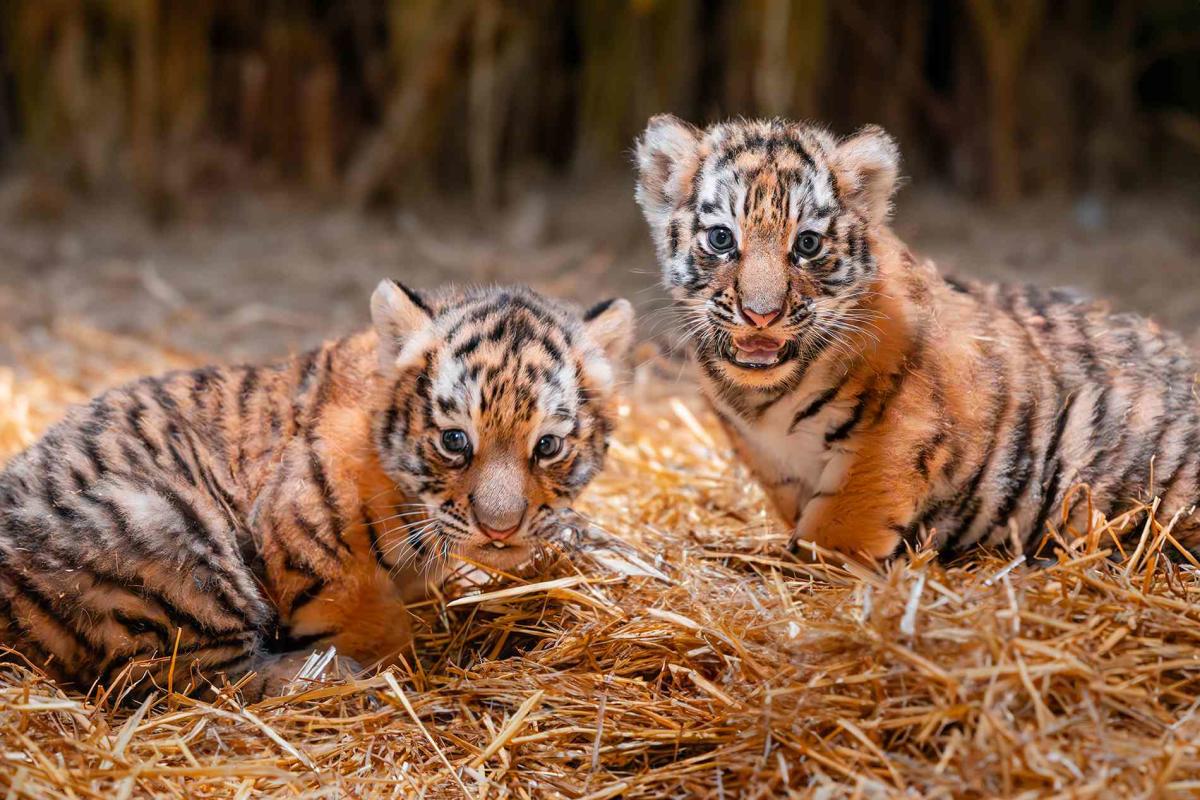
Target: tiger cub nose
{"type": "Point", "coordinates": [498, 536]}
{"type": "Point", "coordinates": [761, 320]}
{"type": "Point", "coordinates": [498, 524]}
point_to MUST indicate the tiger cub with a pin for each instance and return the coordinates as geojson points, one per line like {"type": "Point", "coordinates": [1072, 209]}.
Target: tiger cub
{"type": "Point", "coordinates": [877, 402]}
{"type": "Point", "coordinates": [240, 517]}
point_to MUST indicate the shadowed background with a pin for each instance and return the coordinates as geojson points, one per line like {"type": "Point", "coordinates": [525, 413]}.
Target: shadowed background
{"type": "Point", "coordinates": [232, 176]}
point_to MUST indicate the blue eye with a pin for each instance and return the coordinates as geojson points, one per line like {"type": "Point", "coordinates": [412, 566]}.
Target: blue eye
{"type": "Point", "coordinates": [809, 244]}
{"type": "Point", "coordinates": [720, 239]}
{"type": "Point", "coordinates": [455, 441]}
{"type": "Point", "coordinates": [548, 446]}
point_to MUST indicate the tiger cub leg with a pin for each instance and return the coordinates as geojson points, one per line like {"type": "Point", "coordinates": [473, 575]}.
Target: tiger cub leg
{"type": "Point", "coordinates": [360, 615]}
{"type": "Point", "coordinates": [322, 574]}
{"type": "Point", "coordinates": [866, 500]}
{"type": "Point", "coordinates": [127, 579]}
{"type": "Point", "coordinates": [278, 673]}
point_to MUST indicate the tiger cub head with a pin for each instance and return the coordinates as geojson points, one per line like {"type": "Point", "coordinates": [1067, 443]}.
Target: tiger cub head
{"type": "Point", "coordinates": [764, 231]}
{"type": "Point", "coordinates": [495, 410]}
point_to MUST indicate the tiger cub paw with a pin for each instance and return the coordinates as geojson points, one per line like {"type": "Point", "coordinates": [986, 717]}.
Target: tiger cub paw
{"type": "Point", "coordinates": [866, 550]}
{"type": "Point", "coordinates": [298, 671]}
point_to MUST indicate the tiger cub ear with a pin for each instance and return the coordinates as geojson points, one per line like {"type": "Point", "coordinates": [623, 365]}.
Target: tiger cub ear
{"type": "Point", "coordinates": [665, 150]}
{"type": "Point", "coordinates": [402, 321]}
{"type": "Point", "coordinates": [608, 326]}
{"type": "Point", "coordinates": [869, 163]}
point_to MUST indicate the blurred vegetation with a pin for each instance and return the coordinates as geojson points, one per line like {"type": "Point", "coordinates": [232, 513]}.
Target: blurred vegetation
{"type": "Point", "coordinates": [369, 101]}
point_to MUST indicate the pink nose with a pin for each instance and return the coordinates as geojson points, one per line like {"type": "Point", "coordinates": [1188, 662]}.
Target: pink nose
{"type": "Point", "coordinates": [498, 536]}
{"type": "Point", "coordinates": [762, 320]}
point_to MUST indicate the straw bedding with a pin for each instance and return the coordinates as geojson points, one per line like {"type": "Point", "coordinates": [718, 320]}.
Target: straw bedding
{"type": "Point", "coordinates": [740, 674]}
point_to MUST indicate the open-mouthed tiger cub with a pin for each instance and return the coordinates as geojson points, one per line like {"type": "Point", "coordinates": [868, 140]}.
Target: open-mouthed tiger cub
{"type": "Point", "coordinates": [240, 517]}
{"type": "Point", "coordinates": [877, 402]}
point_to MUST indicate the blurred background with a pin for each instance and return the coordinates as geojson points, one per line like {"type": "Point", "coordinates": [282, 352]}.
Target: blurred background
{"type": "Point", "coordinates": [233, 176]}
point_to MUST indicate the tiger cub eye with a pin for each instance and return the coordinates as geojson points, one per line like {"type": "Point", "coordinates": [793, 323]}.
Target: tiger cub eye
{"type": "Point", "coordinates": [548, 446]}
{"type": "Point", "coordinates": [720, 239]}
{"type": "Point", "coordinates": [455, 441]}
{"type": "Point", "coordinates": [809, 244]}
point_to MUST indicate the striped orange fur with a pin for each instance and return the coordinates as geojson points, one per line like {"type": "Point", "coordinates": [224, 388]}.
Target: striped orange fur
{"type": "Point", "coordinates": [259, 512]}
{"type": "Point", "coordinates": [878, 402]}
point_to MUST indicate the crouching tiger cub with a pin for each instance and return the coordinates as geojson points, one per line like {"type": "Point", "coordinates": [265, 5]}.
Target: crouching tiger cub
{"type": "Point", "coordinates": [877, 402]}
{"type": "Point", "coordinates": [258, 512]}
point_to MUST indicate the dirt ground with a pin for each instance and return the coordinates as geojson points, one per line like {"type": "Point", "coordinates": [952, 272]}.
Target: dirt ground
{"type": "Point", "coordinates": [256, 276]}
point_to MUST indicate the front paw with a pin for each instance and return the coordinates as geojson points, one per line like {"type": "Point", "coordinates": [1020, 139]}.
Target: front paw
{"type": "Point", "coordinates": [298, 671]}
{"type": "Point", "coordinates": [868, 550]}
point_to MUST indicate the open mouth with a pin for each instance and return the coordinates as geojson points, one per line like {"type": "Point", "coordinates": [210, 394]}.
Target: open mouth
{"type": "Point", "coordinates": [514, 543]}
{"type": "Point", "coordinates": [757, 351]}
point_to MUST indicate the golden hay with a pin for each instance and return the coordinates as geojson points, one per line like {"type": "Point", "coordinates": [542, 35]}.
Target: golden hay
{"type": "Point", "coordinates": [744, 675]}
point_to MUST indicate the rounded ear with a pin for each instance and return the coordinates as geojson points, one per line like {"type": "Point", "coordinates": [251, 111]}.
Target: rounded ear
{"type": "Point", "coordinates": [869, 165]}
{"type": "Point", "coordinates": [609, 326]}
{"type": "Point", "coordinates": [666, 147]}
{"type": "Point", "coordinates": [398, 313]}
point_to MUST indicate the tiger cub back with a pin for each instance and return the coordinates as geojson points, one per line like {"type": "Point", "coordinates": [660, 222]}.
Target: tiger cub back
{"type": "Point", "coordinates": [879, 403]}
{"type": "Point", "coordinates": [236, 518]}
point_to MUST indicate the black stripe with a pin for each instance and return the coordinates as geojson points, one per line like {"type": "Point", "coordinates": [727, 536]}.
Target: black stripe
{"type": "Point", "coordinates": [388, 428]}
{"type": "Point", "coordinates": [31, 594]}
{"type": "Point", "coordinates": [314, 535]}
{"type": "Point", "coordinates": [1048, 503]}
{"type": "Point", "coordinates": [969, 503]}
{"type": "Point", "coordinates": [1060, 427]}
{"type": "Point", "coordinates": [235, 606]}
{"type": "Point", "coordinates": [59, 506]}
{"type": "Point", "coordinates": [91, 431]}
{"type": "Point", "coordinates": [416, 299]}
{"type": "Point", "coordinates": [328, 499]}
{"type": "Point", "coordinates": [226, 665]}
{"type": "Point", "coordinates": [134, 418]}
{"type": "Point", "coordinates": [138, 625]}
{"type": "Point", "coordinates": [957, 285]}
{"type": "Point", "coordinates": [1019, 458]}
{"type": "Point", "coordinates": [1051, 486]}
{"type": "Point", "coordinates": [373, 536]}
{"type": "Point", "coordinates": [1189, 449]}
{"type": "Point", "coordinates": [238, 640]}
{"type": "Point", "coordinates": [927, 449]}
{"type": "Point", "coordinates": [844, 430]}
{"type": "Point", "coordinates": [164, 398]}
{"type": "Point", "coordinates": [229, 504]}
{"type": "Point", "coordinates": [188, 514]}
{"type": "Point", "coordinates": [306, 366]}
{"type": "Point", "coordinates": [246, 390]}
{"type": "Point", "coordinates": [177, 616]}
{"type": "Point", "coordinates": [1152, 446]}
{"type": "Point", "coordinates": [288, 643]}
{"type": "Point", "coordinates": [310, 593]}
{"type": "Point", "coordinates": [181, 463]}
{"type": "Point", "coordinates": [470, 345]}
{"type": "Point", "coordinates": [295, 563]}
{"type": "Point", "coordinates": [414, 540]}
{"type": "Point", "coordinates": [814, 407]}
{"type": "Point", "coordinates": [24, 639]}
{"type": "Point", "coordinates": [598, 309]}
{"type": "Point", "coordinates": [320, 394]}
